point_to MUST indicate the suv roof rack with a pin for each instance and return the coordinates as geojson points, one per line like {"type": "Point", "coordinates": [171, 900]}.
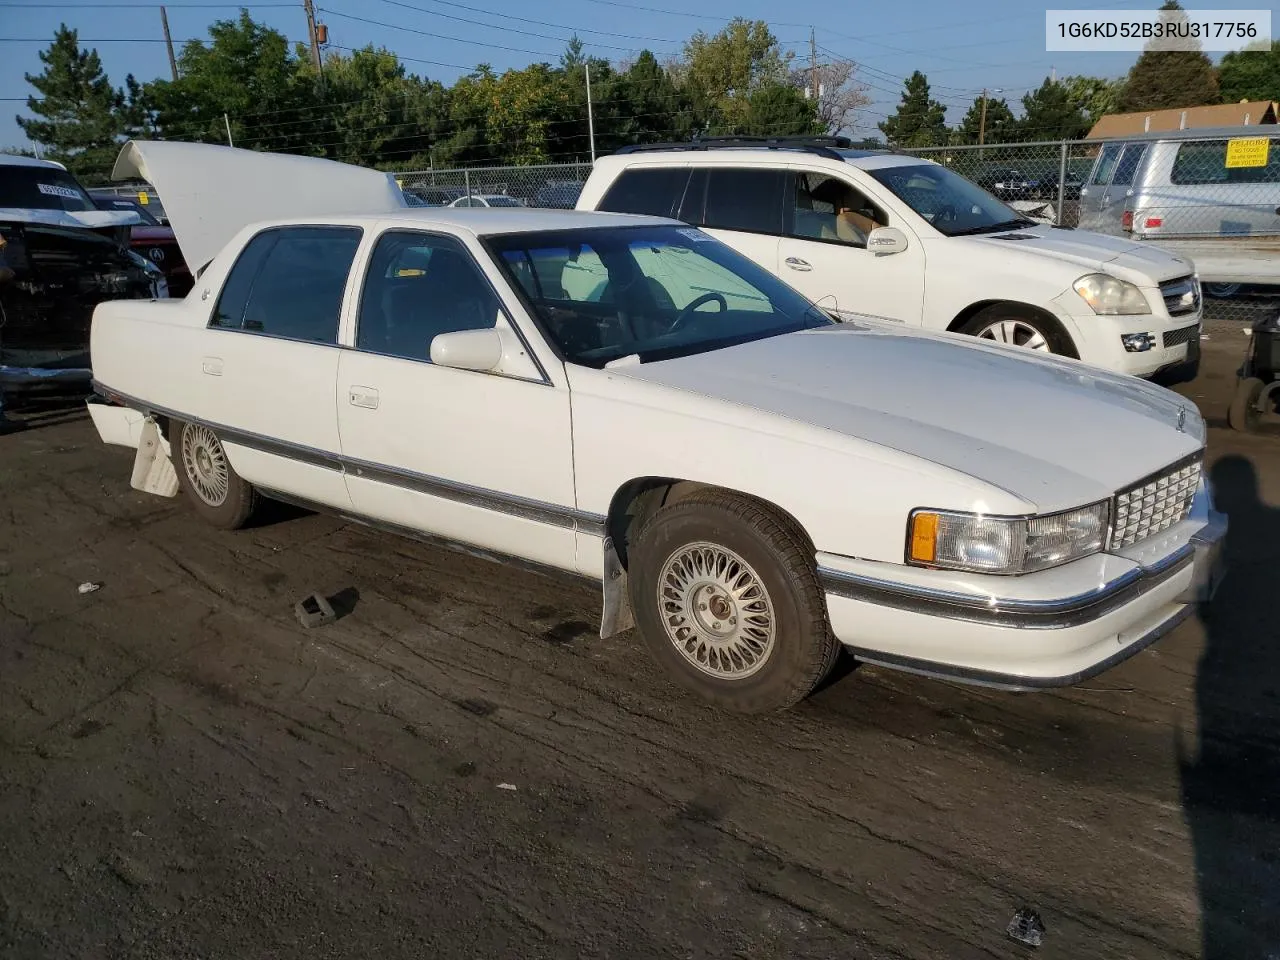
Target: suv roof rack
{"type": "Point", "coordinates": [822, 146]}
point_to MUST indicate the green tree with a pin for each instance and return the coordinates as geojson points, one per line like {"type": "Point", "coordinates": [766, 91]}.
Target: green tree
{"type": "Point", "coordinates": [920, 121]}
{"type": "Point", "coordinates": [641, 104]}
{"type": "Point", "coordinates": [1001, 125]}
{"type": "Point", "coordinates": [79, 117]}
{"type": "Point", "coordinates": [1049, 114]}
{"type": "Point", "coordinates": [1250, 74]}
{"type": "Point", "coordinates": [780, 110]}
{"type": "Point", "coordinates": [1096, 96]}
{"type": "Point", "coordinates": [721, 72]}
{"type": "Point", "coordinates": [247, 72]}
{"type": "Point", "coordinates": [1164, 79]}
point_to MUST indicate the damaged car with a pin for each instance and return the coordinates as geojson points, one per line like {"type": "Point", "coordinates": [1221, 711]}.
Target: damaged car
{"type": "Point", "coordinates": [753, 484]}
{"type": "Point", "coordinates": [60, 256]}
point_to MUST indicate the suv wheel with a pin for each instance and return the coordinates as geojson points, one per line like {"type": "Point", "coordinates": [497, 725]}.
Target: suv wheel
{"type": "Point", "coordinates": [1020, 327]}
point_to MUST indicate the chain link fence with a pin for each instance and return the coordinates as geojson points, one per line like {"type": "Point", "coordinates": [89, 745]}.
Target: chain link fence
{"type": "Point", "coordinates": [1213, 197]}
{"type": "Point", "coordinates": [550, 185]}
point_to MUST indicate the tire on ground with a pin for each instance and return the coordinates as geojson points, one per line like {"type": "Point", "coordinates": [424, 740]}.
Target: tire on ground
{"type": "Point", "coordinates": [1054, 334]}
{"type": "Point", "coordinates": [231, 511]}
{"type": "Point", "coordinates": [1244, 415]}
{"type": "Point", "coordinates": [803, 649]}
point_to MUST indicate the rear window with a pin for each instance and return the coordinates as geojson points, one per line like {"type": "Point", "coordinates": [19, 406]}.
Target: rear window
{"type": "Point", "coordinates": [655, 191]}
{"type": "Point", "coordinates": [1128, 165]}
{"type": "Point", "coordinates": [1205, 161]}
{"type": "Point", "coordinates": [289, 282]}
{"type": "Point", "coordinates": [745, 198]}
{"type": "Point", "coordinates": [42, 188]}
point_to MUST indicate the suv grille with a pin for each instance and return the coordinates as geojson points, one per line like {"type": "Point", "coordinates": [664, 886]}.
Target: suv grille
{"type": "Point", "coordinates": [1181, 296]}
{"type": "Point", "coordinates": [1182, 335]}
{"type": "Point", "coordinates": [1155, 504]}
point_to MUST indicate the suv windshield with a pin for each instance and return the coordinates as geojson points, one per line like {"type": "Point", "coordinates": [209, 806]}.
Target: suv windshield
{"type": "Point", "coordinates": [658, 292]}
{"type": "Point", "coordinates": [41, 188]}
{"type": "Point", "coordinates": [952, 205]}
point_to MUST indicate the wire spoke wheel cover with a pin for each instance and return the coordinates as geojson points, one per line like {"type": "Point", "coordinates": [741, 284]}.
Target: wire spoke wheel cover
{"type": "Point", "coordinates": [716, 611]}
{"type": "Point", "coordinates": [1017, 333]}
{"type": "Point", "coordinates": [205, 464]}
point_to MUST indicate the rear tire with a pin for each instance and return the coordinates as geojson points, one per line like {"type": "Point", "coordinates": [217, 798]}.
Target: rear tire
{"type": "Point", "coordinates": [1020, 326]}
{"type": "Point", "coordinates": [726, 596]}
{"type": "Point", "coordinates": [220, 496]}
{"type": "Point", "coordinates": [1244, 414]}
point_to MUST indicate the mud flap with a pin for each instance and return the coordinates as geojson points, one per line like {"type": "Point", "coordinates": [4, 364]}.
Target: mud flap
{"type": "Point", "coordinates": [152, 469]}
{"type": "Point", "coordinates": [616, 615]}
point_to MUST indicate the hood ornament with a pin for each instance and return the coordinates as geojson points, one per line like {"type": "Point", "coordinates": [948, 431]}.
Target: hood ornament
{"type": "Point", "coordinates": [1182, 420]}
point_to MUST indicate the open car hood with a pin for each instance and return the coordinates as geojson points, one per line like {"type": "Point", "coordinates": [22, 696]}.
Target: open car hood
{"type": "Point", "coordinates": [77, 219]}
{"type": "Point", "coordinates": [210, 193]}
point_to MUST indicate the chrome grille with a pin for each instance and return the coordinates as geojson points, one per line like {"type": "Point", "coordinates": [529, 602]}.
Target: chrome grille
{"type": "Point", "coordinates": [1182, 335]}
{"type": "Point", "coordinates": [1155, 504]}
{"type": "Point", "coordinates": [1181, 296]}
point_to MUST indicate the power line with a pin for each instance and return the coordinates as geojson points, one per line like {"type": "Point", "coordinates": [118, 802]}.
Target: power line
{"type": "Point", "coordinates": [432, 33]}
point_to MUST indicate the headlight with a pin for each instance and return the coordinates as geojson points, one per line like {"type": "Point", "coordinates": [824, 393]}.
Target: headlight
{"type": "Point", "coordinates": [1110, 296]}
{"type": "Point", "coordinates": [1004, 545]}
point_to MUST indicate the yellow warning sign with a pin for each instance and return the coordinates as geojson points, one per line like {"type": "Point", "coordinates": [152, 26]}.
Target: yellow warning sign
{"type": "Point", "coordinates": [1247, 152]}
{"type": "Point", "coordinates": [143, 199]}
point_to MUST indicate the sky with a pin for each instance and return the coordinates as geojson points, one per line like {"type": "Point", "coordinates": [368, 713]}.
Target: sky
{"type": "Point", "coordinates": [961, 47]}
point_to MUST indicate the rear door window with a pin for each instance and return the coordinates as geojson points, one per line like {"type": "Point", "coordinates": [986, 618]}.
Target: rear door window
{"type": "Point", "coordinates": [288, 282]}
{"type": "Point", "coordinates": [745, 198]}
{"type": "Point", "coordinates": [656, 191]}
{"type": "Point", "coordinates": [1106, 164]}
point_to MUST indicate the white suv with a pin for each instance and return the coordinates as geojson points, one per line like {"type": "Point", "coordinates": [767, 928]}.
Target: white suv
{"type": "Point", "coordinates": [871, 233]}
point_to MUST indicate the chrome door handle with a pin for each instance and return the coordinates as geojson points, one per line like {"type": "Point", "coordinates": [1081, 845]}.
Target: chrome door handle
{"type": "Point", "coordinates": [212, 366]}
{"type": "Point", "coordinates": [366, 397]}
{"type": "Point", "coordinates": [795, 263]}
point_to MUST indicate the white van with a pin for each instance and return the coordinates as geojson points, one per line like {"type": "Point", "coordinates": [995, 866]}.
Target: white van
{"type": "Point", "coordinates": [906, 239]}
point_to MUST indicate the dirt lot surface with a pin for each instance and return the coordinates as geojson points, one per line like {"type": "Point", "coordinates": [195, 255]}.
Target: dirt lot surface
{"type": "Point", "coordinates": [185, 772]}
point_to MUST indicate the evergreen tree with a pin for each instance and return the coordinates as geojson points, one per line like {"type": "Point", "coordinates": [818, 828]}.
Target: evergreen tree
{"type": "Point", "coordinates": [1001, 125]}
{"type": "Point", "coordinates": [1165, 79]}
{"type": "Point", "coordinates": [1096, 96]}
{"type": "Point", "coordinates": [920, 121]}
{"type": "Point", "coordinates": [1049, 114]}
{"type": "Point", "coordinates": [79, 116]}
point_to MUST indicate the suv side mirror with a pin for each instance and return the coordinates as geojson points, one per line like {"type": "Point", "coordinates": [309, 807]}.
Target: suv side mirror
{"type": "Point", "coordinates": [886, 240]}
{"type": "Point", "coordinates": [467, 349]}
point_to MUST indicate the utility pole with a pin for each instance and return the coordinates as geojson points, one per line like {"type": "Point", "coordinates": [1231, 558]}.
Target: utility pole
{"type": "Point", "coordinates": [309, 7]}
{"type": "Point", "coordinates": [168, 44]}
{"type": "Point", "coordinates": [591, 120]}
{"type": "Point", "coordinates": [982, 124]}
{"type": "Point", "coordinates": [813, 64]}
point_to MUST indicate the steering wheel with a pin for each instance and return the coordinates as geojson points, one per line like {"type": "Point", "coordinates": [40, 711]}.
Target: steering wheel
{"type": "Point", "coordinates": [684, 315]}
{"type": "Point", "coordinates": [946, 214]}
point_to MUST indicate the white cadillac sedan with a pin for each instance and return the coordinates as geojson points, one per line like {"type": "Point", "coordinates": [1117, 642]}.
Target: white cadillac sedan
{"type": "Point", "coordinates": [627, 399]}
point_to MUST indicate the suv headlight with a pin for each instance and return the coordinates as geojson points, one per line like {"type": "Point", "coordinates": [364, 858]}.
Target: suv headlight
{"type": "Point", "coordinates": [1004, 545]}
{"type": "Point", "coordinates": [1111, 296]}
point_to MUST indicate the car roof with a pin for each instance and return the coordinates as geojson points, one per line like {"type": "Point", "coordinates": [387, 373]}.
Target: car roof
{"type": "Point", "coordinates": [862, 159]}
{"type": "Point", "coordinates": [489, 222]}
{"type": "Point", "coordinates": [1203, 133]}
{"type": "Point", "coordinates": [14, 160]}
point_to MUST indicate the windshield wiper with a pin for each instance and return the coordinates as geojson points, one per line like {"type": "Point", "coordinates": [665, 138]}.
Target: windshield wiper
{"type": "Point", "coordinates": [994, 227]}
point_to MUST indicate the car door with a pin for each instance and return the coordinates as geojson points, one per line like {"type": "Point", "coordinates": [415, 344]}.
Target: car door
{"type": "Point", "coordinates": [824, 251]}
{"type": "Point", "coordinates": [1093, 193]}
{"type": "Point", "coordinates": [483, 458]}
{"type": "Point", "coordinates": [742, 206]}
{"type": "Point", "coordinates": [268, 362]}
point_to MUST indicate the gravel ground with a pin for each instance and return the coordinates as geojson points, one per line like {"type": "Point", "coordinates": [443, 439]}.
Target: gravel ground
{"type": "Point", "coordinates": [185, 772]}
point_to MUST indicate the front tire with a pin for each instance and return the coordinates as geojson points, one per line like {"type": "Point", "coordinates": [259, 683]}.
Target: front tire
{"type": "Point", "coordinates": [220, 495]}
{"type": "Point", "coordinates": [1243, 414]}
{"type": "Point", "coordinates": [726, 596]}
{"type": "Point", "coordinates": [1020, 327]}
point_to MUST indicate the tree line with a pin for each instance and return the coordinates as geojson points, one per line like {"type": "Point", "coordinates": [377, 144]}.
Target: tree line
{"type": "Point", "coordinates": [248, 86]}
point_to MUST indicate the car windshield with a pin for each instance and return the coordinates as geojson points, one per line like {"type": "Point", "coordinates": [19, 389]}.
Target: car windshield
{"type": "Point", "coordinates": [953, 205]}
{"type": "Point", "coordinates": [130, 206]}
{"type": "Point", "coordinates": [655, 292]}
{"type": "Point", "coordinates": [41, 188]}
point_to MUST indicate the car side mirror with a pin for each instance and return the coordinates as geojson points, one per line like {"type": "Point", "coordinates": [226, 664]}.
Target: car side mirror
{"type": "Point", "coordinates": [467, 349]}
{"type": "Point", "coordinates": [886, 240]}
